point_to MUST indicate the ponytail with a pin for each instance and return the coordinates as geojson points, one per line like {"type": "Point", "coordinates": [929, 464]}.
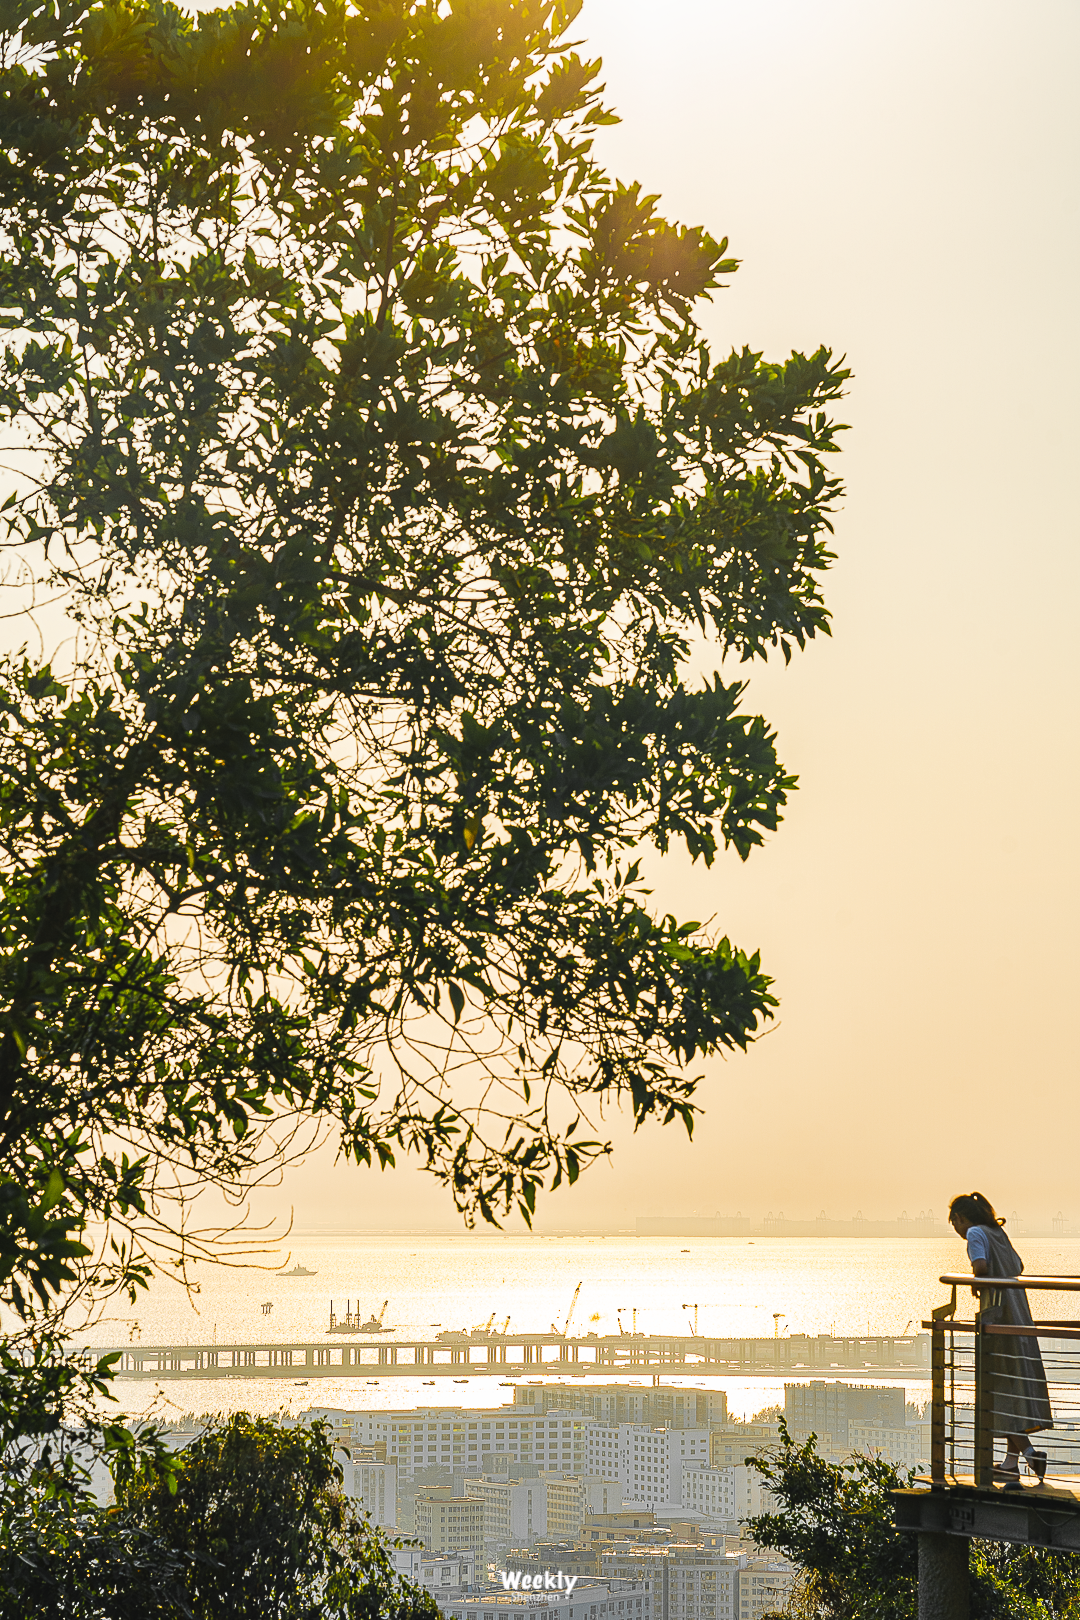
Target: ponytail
{"type": "Point", "coordinates": [975, 1208]}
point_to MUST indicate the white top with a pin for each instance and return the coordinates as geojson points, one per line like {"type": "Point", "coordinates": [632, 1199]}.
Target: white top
{"type": "Point", "coordinates": [978, 1246]}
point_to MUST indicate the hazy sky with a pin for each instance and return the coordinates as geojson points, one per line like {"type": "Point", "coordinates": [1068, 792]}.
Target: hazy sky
{"type": "Point", "coordinates": [900, 182]}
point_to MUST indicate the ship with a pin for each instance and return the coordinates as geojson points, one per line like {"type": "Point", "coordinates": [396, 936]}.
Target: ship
{"type": "Point", "coordinates": [351, 1323]}
{"type": "Point", "coordinates": [299, 1271]}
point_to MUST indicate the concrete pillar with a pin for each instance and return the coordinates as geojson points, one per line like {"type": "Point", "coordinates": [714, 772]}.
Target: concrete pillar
{"type": "Point", "coordinates": [943, 1577]}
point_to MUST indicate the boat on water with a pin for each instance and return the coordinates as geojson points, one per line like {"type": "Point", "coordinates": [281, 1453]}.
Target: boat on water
{"type": "Point", "coordinates": [299, 1271]}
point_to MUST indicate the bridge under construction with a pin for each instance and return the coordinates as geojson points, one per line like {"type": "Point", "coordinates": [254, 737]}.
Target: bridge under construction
{"type": "Point", "coordinates": [518, 1355]}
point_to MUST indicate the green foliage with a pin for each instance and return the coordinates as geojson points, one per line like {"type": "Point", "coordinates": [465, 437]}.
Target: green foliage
{"type": "Point", "coordinates": [834, 1521]}
{"type": "Point", "coordinates": [372, 449]}
{"type": "Point", "coordinates": [1024, 1583]}
{"type": "Point", "coordinates": [247, 1521]}
{"type": "Point", "coordinates": [255, 1513]}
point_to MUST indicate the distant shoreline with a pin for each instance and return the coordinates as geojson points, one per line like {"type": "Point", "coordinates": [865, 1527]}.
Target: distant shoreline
{"type": "Point", "coordinates": [691, 1228]}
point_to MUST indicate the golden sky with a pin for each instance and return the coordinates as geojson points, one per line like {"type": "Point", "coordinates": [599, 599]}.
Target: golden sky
{"type": "Point", "coordinates": [900, 182]}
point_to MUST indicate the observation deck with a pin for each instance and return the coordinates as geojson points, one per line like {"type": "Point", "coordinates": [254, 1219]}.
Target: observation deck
{"type": "Point", "coordinates": [972, 1363]}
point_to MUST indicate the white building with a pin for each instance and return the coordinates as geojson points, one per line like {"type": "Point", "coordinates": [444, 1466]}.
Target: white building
{"type": "Point", "coordinates": [518, 1511]}
{"type": "Point", "coordinates": [456, 1437]}
{"type": "Point", "coordinates": [709, 1493]}
{"type": "Point", "coordinates": [908, 1447]}
{"type": "Point", "coordinates": [447, 1523]}
{"type": "Point", "coordinates": [454, 1572]}
{"type": "Point", "coordinates": [647, 1462]}
{"type": "Point", "coordinates": [763, 1587]}
{"type": "Point", "coordinates": [602, 1495]}
{"type": "Point", "coordinates": [689, 1581]}
{"type": "Point", "coordinates": [373, 1486]}
{"type": "Point", "coordinates": [606, 1600]}
{"type": "Point", "coordinates": [701, 1584]}
{"type": "Point", "coordinates": [752, 1495]}
{"type": "Point", "coordinates": [566, 1505]}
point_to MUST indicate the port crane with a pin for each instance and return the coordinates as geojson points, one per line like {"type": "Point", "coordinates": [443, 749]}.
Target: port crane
{"type": "Point", "coordinates": [569, 1314]}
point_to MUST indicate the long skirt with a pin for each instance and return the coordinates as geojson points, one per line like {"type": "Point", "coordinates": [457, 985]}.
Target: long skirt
{"type": "Point", "coordinates": [1014, 1377]}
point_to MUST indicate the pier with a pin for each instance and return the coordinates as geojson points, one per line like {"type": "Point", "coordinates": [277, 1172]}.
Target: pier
{"type": "Point", "coordinates": [519, 1355]}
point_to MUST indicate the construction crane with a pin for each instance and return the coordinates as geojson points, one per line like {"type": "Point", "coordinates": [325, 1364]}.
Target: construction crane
{"type": "Point", "coordinates": [569, 1314]}
{"type": "Point", "coordinates": [374, 1323]}
{"type": "Point", "coordinates": [693, 1308]}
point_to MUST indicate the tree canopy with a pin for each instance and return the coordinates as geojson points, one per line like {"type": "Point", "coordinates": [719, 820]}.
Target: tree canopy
{"type": "Point", "coordinates": [248, 1520]}
{"type": "Point", "coordinates": [835, 1523]}
{"type": "Point", "coordinates": [371, 478]}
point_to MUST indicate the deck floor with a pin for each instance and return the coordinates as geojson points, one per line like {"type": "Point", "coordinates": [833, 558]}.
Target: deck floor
{"type": "Point", "coordinates": [1031, 1514]}
{"type": "Point", "coordinates": [1067, 1487]}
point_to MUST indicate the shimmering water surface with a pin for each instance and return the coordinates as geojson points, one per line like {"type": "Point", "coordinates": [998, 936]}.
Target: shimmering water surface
{"type": "Point", "coordinates": [819, 1285]}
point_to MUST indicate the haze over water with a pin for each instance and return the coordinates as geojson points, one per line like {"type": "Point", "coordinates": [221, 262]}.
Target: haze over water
{"type": "Point", "coordinates": [820, 1285]}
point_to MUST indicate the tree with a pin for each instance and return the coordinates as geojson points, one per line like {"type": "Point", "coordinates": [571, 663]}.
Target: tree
{"type": "Point", "coordinates": [834, 1521]}
{"type": "Point", "coordinates": [371, 450]}
{"type": "Point", "coordinates": [249, 1520]}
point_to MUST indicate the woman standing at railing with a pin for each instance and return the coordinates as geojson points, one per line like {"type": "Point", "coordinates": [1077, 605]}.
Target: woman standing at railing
{"type": "Point", "coordinates": [1018, 1399]}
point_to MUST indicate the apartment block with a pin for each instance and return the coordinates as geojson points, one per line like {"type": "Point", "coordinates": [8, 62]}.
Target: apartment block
{"type": "Point", "coordinates": [729, 1447]}
{"type": "Point", "coordinates": [463, 1440]}
{"type": "Point", "coordinates": [373, 1486]}
{"type": "Point", "coordinates": [639, 1562]}
{"type": "Point", "coordinates": [453, 1573]}
{"type": "Point", "coordinates": [829, 1408]}
{"type": "Point", "coordinates": [701, 1584]}
{"type": "Point", "coordinates": [513, 1439]}
{"type": "Point", "coordinates": [566, 1504]}
{"type": "Point", "coordinates": [613, 1600]}
{"type": "Point", "coordinates": [625, 1524]}
{"type": "Point", "coordinates": [908, 1446]}
{"type": "Point", "coordinates": [647, 1462]}
{"type": "Point", "coordinates": [709, 1492]}
{"type": "Point", "coordinates": [602, 1495]}
{"type": "Point", "coordinates": [690, 1581]}
{"type": "Point", "coordinates": [446, 1523]}
{"type": "Point", "coordinates": [546, 1555]}
{"type": "Point", "coordinates": [627, 1403]}
{"type": "Point", "coordinates": [763, 1586]}
{"type": "Point", "coordinates": [514, 1511]}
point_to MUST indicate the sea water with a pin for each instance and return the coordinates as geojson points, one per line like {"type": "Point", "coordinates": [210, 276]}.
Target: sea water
{"type": "Point", "coordinates": [740, 1287]}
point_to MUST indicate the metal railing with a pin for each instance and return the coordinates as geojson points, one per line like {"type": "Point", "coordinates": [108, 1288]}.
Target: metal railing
{"type": "Point", "coordinates": [982, 1371]}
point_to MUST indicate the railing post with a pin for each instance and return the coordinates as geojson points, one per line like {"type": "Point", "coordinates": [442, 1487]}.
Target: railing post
{"type": "Point", "coordinates": [938, 1318]}
{"type": "Point", "coordinates": [937, 1403]}
{"type": "Point", "coordinates": [984, 1439]}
